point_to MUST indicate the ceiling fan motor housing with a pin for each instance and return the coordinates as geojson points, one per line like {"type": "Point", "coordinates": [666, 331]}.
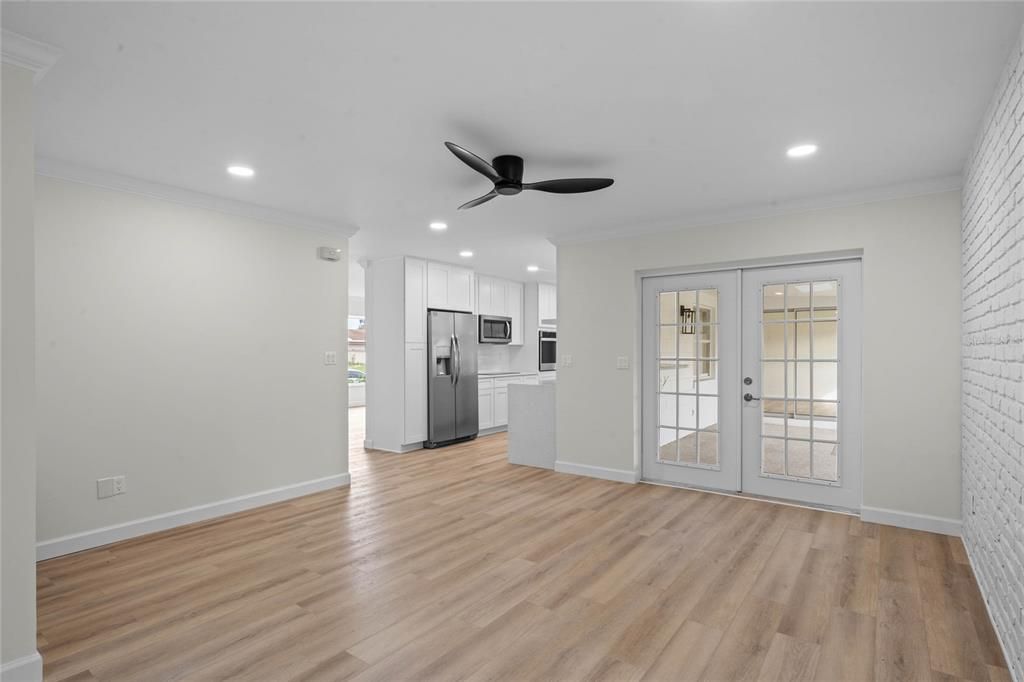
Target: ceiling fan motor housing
{"type": "Point", "coordinates": [510, 168]}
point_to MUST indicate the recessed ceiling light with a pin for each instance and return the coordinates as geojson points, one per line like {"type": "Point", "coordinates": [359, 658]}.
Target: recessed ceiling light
{"type": "Point", "coordinates": [532, 268]}
{"type": "Point", "coordinates": [801, 150]}
{"type": "Point", "coordinates": [437, 225]}
{"type": "Point", "coordinates": [466, 254]}
{"type": "Point", "coordinates": [241, 171]}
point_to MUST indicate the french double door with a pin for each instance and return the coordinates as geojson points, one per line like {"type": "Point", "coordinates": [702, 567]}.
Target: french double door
{"type": "Point", "coordinates": [752, 381]}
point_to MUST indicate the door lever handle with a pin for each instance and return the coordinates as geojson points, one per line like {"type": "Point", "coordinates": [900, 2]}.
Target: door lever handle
{"type": "Point", "coordinates": [748, 397]}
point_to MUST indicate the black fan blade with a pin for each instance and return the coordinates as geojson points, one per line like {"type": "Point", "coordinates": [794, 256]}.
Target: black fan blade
{"type": "Point", "coordinates": [479, 200]}
{"type": "Point", "coordinates": [473, 161]}
{"type": "Point", "coordinates": [570, 185]}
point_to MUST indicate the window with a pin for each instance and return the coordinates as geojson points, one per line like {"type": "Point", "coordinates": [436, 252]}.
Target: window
{"type": "Point", "coordinates": [707, 341]}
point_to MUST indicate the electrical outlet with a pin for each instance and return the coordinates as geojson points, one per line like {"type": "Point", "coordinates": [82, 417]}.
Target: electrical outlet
{"type": "Point", "coordinates": [622, 362]}
{"type": "Point", "coordinates": [108, 487]}
{"type": "Point", "coordinates": [331, 357]}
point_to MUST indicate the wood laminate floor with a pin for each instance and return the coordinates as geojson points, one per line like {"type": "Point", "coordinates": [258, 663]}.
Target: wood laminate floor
{"type": "Point", "coordinates": [452, 564]}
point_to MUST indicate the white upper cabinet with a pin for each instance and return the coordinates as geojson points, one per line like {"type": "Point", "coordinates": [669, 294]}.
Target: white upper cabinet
{"type": "Point", "coordinates": [514, 302]}
{"type": "Point", "coordinates": [547, 304]}
{"type": "Point", "coordinates": [415, 300]}
{"type": "Point", "coordinates": [502, 297]}
{"type": "Point", "coordinates": [449, 287]}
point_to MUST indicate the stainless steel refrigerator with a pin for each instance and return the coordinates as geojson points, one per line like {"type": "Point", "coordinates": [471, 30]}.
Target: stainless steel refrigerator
{"type": "Point", "coordinates": [452, 393]}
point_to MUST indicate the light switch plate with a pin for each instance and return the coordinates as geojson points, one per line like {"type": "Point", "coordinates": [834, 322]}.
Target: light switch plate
{"type": "Point", "coordinates": [622, 362]}
{"type": "Point", "coordinates": [331, 357]}
{"type": "Point", "coordinates": [566, 360]}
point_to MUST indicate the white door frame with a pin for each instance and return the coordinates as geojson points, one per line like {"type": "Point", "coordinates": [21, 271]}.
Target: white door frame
{"type": "Point", "coordinates": [737, 265]}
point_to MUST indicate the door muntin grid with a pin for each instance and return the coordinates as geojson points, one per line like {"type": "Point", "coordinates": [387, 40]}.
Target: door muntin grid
{"type": "Point", "coordinates": [688, 367]}
{"type": "Point", "coordinates": [800, 381]}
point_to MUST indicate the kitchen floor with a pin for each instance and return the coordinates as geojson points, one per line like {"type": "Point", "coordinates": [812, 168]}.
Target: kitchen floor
{"type": "Point", "coordinates": [453, 564]}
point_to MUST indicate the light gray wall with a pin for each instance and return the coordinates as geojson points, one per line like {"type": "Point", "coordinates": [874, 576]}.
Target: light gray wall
{"type": "Point", "coordinates": [182, 348]}
{"type": "Point", "coordinates": [993, 361]}
{"type": "Point", "coordinates": [911, 260]}
{"type": "Point", "coordinates": [17, 397]}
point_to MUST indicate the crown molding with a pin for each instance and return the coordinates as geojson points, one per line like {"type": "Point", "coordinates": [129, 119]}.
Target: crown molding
{"type": "Point", "coordinates": [775, 209]}
{"type": "Point", "coordinates": [63, 170]}
{"type": "Point", "coordinates": [27, 53]}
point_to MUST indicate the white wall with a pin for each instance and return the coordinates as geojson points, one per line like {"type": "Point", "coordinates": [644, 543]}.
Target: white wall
{"type": "Point", "coordinates": [17, 397]}
{"type": "Point", "coordinates": [993, 361]}
{"type": "Point", "coordinates": [911, 257]}
{"type": "Point", "coordinates": [182, 348]}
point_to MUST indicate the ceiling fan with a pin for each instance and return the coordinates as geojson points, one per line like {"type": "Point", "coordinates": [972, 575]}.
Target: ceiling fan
{"type": "Point", "coordinates": [506, 172]}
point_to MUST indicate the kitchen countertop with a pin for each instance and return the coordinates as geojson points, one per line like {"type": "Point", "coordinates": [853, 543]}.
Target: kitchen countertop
{"type": "Point", "coordinates": [504, 374]}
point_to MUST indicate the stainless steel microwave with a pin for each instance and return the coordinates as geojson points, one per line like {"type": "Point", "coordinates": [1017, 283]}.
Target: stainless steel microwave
{"type": "Point", "coordinates": [495, 329]}
{"type": "Point", "coordinates": [546, 350]}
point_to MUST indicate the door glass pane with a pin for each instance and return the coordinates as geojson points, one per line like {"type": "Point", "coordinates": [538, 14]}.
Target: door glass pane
{"type": "Point", "coordinates": [688, 411]}
{"type": "Point", "coordinates": [708, 412]}
{"type": "Point", "coordinates": [798, 300]}
{"type": "Point", "coordinates": [667, 341]}
{"type": "Point", "coordinates": [688, 376]}
{"type": "Point", "coordinates": [826, 461]}
{"type": "Point", "coordinates": [826, 429]}
{"type": "Point", "coordinates": [707, 371]}
{"type": "Point", "coordinates": [825, 380]}
{"type": "Point", "coordinates": [667, 445]}
{"type": "Point", "coordinates": [667, 416]}
{"type": "Point", "coordinates": [708, 448]}
{"type": "Point", "coordinates": [667, 372]}
{"type": "Point", "coordinates": [798, 458]}
{"type": "Point", "coordinates": [688, 447]}
{"type": "Point", "coordinates": [798, 426]}
{"type": "Point", "coordinates": [773, 342]}
{"type": "Point", "coordinates": [687, 344]}
{"type": "Point", "coordinates": [773, 456]}
{"type": "Point", "coordinates": [688, 312]}
{"type": "Point", "coordinates": [668, 310]}
{"type": "Point", "coordinates": [773, 380]}
{"type": "Point", "coordinates": [826, 340]}
{"type": "Point", "coordinates": [826, 297]}
{"type": "Point", "coordinates": [799, 380]}
{"type": "Point", "coordinates": [801, 335]}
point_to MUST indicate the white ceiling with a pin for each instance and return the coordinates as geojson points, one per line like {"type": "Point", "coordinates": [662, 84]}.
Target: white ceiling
{"type": "Point", "coordinates": [343, 108]}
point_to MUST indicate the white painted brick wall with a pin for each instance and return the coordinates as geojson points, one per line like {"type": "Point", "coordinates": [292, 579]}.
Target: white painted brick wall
{"type": "Point", "coordinates": [992, 269]}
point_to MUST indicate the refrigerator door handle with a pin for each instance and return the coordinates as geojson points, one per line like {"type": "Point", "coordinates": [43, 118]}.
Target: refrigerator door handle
{"type": "Point", "coordinates": [458, 359]}
{"type": "Point", "coordinates": [451, 354]}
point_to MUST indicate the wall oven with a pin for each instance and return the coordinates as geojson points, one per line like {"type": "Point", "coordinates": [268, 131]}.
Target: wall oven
{"type": "Point", "coordinates": [548, 356]}
{"type": "Point", "coordinates": [495, 329]}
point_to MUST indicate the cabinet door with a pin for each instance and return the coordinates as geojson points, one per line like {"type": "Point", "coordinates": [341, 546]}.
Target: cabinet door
{"type": "Point", "coordinates": [484, 293]}
{"type": "Point", "coordinates": [501, 406]}
{"type": "Point", "coordinates": [438, 276]}
{"type": "Point", "coordinates": [486, 407]}
{"type": "Point", "coordinates": [515, 311]}
{"type": "Point", "coordinates": [415, 392]}
{"type": "Point", "coordinates": [460, 289]}
{"type": "Point", "coordinates": [415, 300]}
{"type": "Point", "coordinates": [547, 302]}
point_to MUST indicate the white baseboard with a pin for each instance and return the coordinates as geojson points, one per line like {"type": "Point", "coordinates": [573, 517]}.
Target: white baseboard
{"type": "Point", "coordinates": [152, 524]}
{"type": "Point", "coordinates": [25, 669]}
{"type": "Point", "coordinates": [620, 475]}
{"type": "Point", "coordinates": [892, 517]}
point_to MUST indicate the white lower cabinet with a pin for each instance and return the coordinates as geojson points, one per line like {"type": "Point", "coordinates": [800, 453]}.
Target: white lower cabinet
{"type": "Point", "coordinates": [415, 392]}
{"type": "Point", "coordinates": [486, 404]}
{"type": "Point", "coordinates": [494, 398]}
{"type": "Point", "coordinates": [501, 406]}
